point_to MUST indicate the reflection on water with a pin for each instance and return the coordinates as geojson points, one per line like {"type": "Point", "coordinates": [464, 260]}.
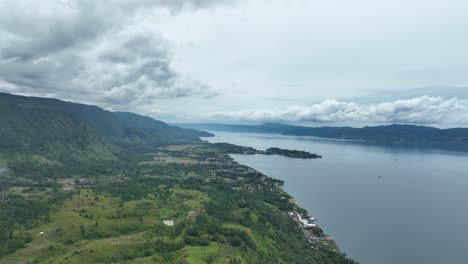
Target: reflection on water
{"type": "Point", "coordinates": [381, 204]}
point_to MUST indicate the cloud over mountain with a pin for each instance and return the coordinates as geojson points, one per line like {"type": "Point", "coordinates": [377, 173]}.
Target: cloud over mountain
{"type": "Point", "coordinates": [420, 110]}
{"type": "Point", "coordinates": [165, 58]}
{"type": "Point", "coordinates": [105, 52]}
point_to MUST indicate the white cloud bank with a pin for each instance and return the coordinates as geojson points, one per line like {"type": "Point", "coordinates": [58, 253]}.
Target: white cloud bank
{"type": "Point", "coordinates": [421, 110]}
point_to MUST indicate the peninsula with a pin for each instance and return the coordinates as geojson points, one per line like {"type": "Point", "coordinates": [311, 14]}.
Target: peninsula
{"type": "Point", "coordinates": [235, 149]}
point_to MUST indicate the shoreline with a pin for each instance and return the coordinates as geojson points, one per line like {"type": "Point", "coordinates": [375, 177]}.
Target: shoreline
{"type": "Point", "coordinates": [314, 234]}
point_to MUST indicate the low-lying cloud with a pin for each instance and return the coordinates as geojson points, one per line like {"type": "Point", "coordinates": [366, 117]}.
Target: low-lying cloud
{"type": "Point", "coordinates": [421, 110]}
{"type": "Point", "coordinates": [104, 52]}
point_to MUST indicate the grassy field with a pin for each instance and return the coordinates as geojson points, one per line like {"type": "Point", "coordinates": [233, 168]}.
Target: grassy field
{"type": "Point", "coordinates": [222, 212]}
{"type": "Point", "coordinates": [115, 229]}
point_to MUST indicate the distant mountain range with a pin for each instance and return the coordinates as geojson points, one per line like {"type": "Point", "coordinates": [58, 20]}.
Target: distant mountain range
{"type": "Point", "coordinates": [399, 135]}
{"type": "Point", "coordinates": [62, 130]}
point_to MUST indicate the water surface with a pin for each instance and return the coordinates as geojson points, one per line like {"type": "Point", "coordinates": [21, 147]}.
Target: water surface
{"type": "Point", "coordinates": [380, 204]}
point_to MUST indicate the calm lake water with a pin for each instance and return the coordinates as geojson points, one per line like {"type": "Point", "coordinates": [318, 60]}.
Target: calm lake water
{"type": "Point", "coordinates": [381, 205]}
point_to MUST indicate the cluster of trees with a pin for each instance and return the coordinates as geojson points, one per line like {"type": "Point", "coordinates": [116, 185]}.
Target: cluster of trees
{"type": "Point", "coordinates": [292, 153]}
{"type": "Point", "coordinates": [17, 214]}
{"type": "Point", "coordinates": [207, 228]}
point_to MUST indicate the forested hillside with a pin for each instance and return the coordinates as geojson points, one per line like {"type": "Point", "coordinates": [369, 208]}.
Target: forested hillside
{"type": "Point", "coordinates": [79, 184]}
{"type": "Point", "coordinates": [76, 132]}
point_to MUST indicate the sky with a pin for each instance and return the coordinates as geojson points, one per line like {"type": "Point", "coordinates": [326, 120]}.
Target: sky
{"type": "Point", "coordinates": [310, 62]}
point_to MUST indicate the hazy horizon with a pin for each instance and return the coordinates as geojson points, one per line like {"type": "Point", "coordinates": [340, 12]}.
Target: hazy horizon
{"type": "Point", "coordinates": [244, 61]}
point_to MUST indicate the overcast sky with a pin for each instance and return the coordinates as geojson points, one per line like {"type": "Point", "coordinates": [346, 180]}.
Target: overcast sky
{"type": "Point", "coordinates": [298, 61]}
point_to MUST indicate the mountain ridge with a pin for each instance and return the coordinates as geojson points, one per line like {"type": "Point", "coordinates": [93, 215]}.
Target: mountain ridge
{"type": "Point", "coordinates": [58, 129]}
{"type": "Point", "coordinates": [397, 134]}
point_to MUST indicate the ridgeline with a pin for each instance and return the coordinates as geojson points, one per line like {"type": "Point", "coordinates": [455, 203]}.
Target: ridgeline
{"type": "Point", "coordinates": [395, 135]}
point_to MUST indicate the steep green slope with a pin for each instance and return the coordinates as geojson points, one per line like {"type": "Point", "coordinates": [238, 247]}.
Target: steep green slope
{"type": "Point", "coordinates": [156, 132]}
{"type": "Point", "coordinates": [76, 132]}
{"type": "Point", "coordinates": [33, 129]}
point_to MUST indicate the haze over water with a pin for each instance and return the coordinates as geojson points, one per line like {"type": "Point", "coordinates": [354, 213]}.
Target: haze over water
{"type": "Point", "coordinates": [380, 204]}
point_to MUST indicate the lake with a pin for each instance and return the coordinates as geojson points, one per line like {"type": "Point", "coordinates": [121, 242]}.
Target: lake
{"type": "Point", "coordinates": [380, 204]}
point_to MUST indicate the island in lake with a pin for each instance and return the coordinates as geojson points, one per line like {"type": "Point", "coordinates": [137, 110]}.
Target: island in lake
{"type": "Point", "coordinates": [235, 149]}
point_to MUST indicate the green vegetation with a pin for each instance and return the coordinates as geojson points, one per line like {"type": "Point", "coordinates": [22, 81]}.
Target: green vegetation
{"type": "Point", "coordinates": [292, 153]}
{"type": "Point", "coordinates": [235, 149]}
{"type": "Point", "coordinates": [222, 212]}
{"type": "Point", "coordinates": [83, 196]}
{"type": "Point", "coordinates": [74, 133]}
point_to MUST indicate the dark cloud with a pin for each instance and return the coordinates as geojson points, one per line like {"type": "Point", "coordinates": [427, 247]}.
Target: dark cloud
{"type": "Point", "coordinates": [101, 52]}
